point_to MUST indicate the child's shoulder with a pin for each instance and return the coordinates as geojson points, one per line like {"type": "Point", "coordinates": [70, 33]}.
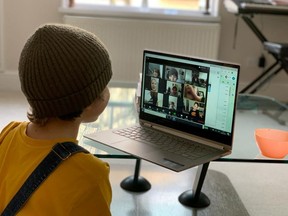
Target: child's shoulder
{"type": "Point", "coordinates": [89, 165]}
{"type": "Point", "coordinates": [9, 128]}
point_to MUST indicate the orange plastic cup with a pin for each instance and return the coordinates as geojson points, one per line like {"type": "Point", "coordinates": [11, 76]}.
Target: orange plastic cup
{"type": "Point", "coordinates": [271, 142]}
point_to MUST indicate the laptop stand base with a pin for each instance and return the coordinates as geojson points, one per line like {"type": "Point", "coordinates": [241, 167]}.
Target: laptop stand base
{"type": "Point", "coordinates": [187, 198]}
{"type": "Point", "coordinates": [136, 183]}
{"type": "Point", "coordinates": [195, 198]}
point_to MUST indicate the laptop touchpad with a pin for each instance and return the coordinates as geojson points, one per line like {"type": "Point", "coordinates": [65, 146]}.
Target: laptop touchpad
{"type": "Point", "coordinates": [172, 164]}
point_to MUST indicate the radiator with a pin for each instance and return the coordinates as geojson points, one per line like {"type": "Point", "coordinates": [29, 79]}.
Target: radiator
{"type": "Point", "coordinates": [126, 39]}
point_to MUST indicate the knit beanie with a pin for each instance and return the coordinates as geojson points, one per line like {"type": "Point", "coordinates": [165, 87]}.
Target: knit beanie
{"type": "Point", "coordinates": [62, 70]}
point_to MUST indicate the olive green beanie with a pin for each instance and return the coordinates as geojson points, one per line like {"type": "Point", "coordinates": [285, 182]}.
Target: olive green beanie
{"type": "Point", "coordinates": [62, 70]}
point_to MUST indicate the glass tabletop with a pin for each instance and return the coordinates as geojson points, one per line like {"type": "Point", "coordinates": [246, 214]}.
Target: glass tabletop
{"type": "Point", "coordinates": [120, 112]}
{"type": "Point", "coordinates": [253, 111]}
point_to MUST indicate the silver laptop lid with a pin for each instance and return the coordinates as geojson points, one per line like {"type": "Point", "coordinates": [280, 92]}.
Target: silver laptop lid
{"type": "Point", "coordinates": [190, 95]}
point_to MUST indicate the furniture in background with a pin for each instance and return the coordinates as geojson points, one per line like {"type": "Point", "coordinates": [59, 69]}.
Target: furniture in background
{"type": "Point", "coordinates": [279, 51]}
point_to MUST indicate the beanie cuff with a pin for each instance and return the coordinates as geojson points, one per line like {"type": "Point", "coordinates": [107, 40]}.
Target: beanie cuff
{"type": "Point", "coordinates": [70, 103]}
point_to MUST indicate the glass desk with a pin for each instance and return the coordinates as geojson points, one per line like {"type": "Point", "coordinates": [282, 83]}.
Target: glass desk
{"type": "Point", "coordinates": [253, 112]}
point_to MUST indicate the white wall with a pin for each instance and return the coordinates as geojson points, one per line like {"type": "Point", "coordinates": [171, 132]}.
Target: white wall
{"type": "Point", "coordinates": [21, 18]}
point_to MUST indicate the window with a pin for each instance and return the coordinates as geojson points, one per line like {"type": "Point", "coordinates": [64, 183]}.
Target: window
{"type": "Point", "coordinates": [167, 7]}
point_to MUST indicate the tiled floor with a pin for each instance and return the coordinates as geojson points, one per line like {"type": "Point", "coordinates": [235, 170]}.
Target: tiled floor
{"type": "Point", "coordinates": [262, 188]}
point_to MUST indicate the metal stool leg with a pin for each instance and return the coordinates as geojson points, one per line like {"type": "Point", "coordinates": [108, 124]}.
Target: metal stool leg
{"type": "Point", "coordinates": [278, 50]}
{"type": "Point", "coordinates": [266, 79]}
{"type": "Point", "coordinates": [259, 78]}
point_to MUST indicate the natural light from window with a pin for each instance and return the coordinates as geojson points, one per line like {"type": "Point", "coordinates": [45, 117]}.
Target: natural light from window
{"type": "Point", "coordinates": [174, 7]}
{"type": "Point", "coordinates": [168, 4]}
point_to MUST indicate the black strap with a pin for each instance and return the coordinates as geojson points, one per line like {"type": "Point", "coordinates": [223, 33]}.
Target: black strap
{"type": "Point", "coordinates": [59, 153]}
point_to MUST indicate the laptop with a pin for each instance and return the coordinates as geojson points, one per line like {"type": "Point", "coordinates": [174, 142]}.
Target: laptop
{"type": "Point", "coordinates": [185, 103]}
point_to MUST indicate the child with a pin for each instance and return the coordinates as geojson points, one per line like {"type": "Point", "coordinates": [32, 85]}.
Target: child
{"type": "Point", "coordinates": [64, 72]}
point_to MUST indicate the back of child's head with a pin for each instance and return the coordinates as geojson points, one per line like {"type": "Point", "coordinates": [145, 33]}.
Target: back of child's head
{"type": "Point", "coordinates": [62, 70]}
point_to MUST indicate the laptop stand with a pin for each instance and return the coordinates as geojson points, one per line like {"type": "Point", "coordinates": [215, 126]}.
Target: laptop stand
{"type": "Point", "coordinates": [195, 198]}
{"type": "Point", "coordinates": [191, 198]}
{"type": "Point", "coordinates": [136, 183]}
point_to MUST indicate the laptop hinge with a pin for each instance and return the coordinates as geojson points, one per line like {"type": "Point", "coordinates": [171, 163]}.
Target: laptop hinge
{"type": "Point", "coordinates": [146, 124]}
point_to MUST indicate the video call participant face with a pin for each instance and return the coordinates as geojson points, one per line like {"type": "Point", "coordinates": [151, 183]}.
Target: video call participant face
{"type": "Point", "coordinates": [156, 73]}
{"type": "Point", "coordinates": [174, 90]}
{"type": "Point", "coordinates": [173, 75]}
{"type": "Point", "coordinates": [154, 85]}
{"type": "Point", "coordinates": [195, 106]}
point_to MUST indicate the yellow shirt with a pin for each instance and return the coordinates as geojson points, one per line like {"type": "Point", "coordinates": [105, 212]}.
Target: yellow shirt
{"type": "Point", "coordinates": [79, 186]}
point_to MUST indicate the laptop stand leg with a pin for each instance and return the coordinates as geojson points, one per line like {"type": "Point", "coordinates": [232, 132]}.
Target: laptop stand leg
{"type": "Point", "coordinates": [136, 183]}
{"type": "Point", "coordinates": [195, 198]}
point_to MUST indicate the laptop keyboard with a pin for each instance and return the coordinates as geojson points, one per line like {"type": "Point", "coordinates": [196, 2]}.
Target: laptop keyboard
{"type": "Point", "coordinates": [165, 141]}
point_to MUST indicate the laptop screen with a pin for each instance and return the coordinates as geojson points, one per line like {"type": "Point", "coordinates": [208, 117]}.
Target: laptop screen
{"type": "Point", "coordinates": [192, 95]}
